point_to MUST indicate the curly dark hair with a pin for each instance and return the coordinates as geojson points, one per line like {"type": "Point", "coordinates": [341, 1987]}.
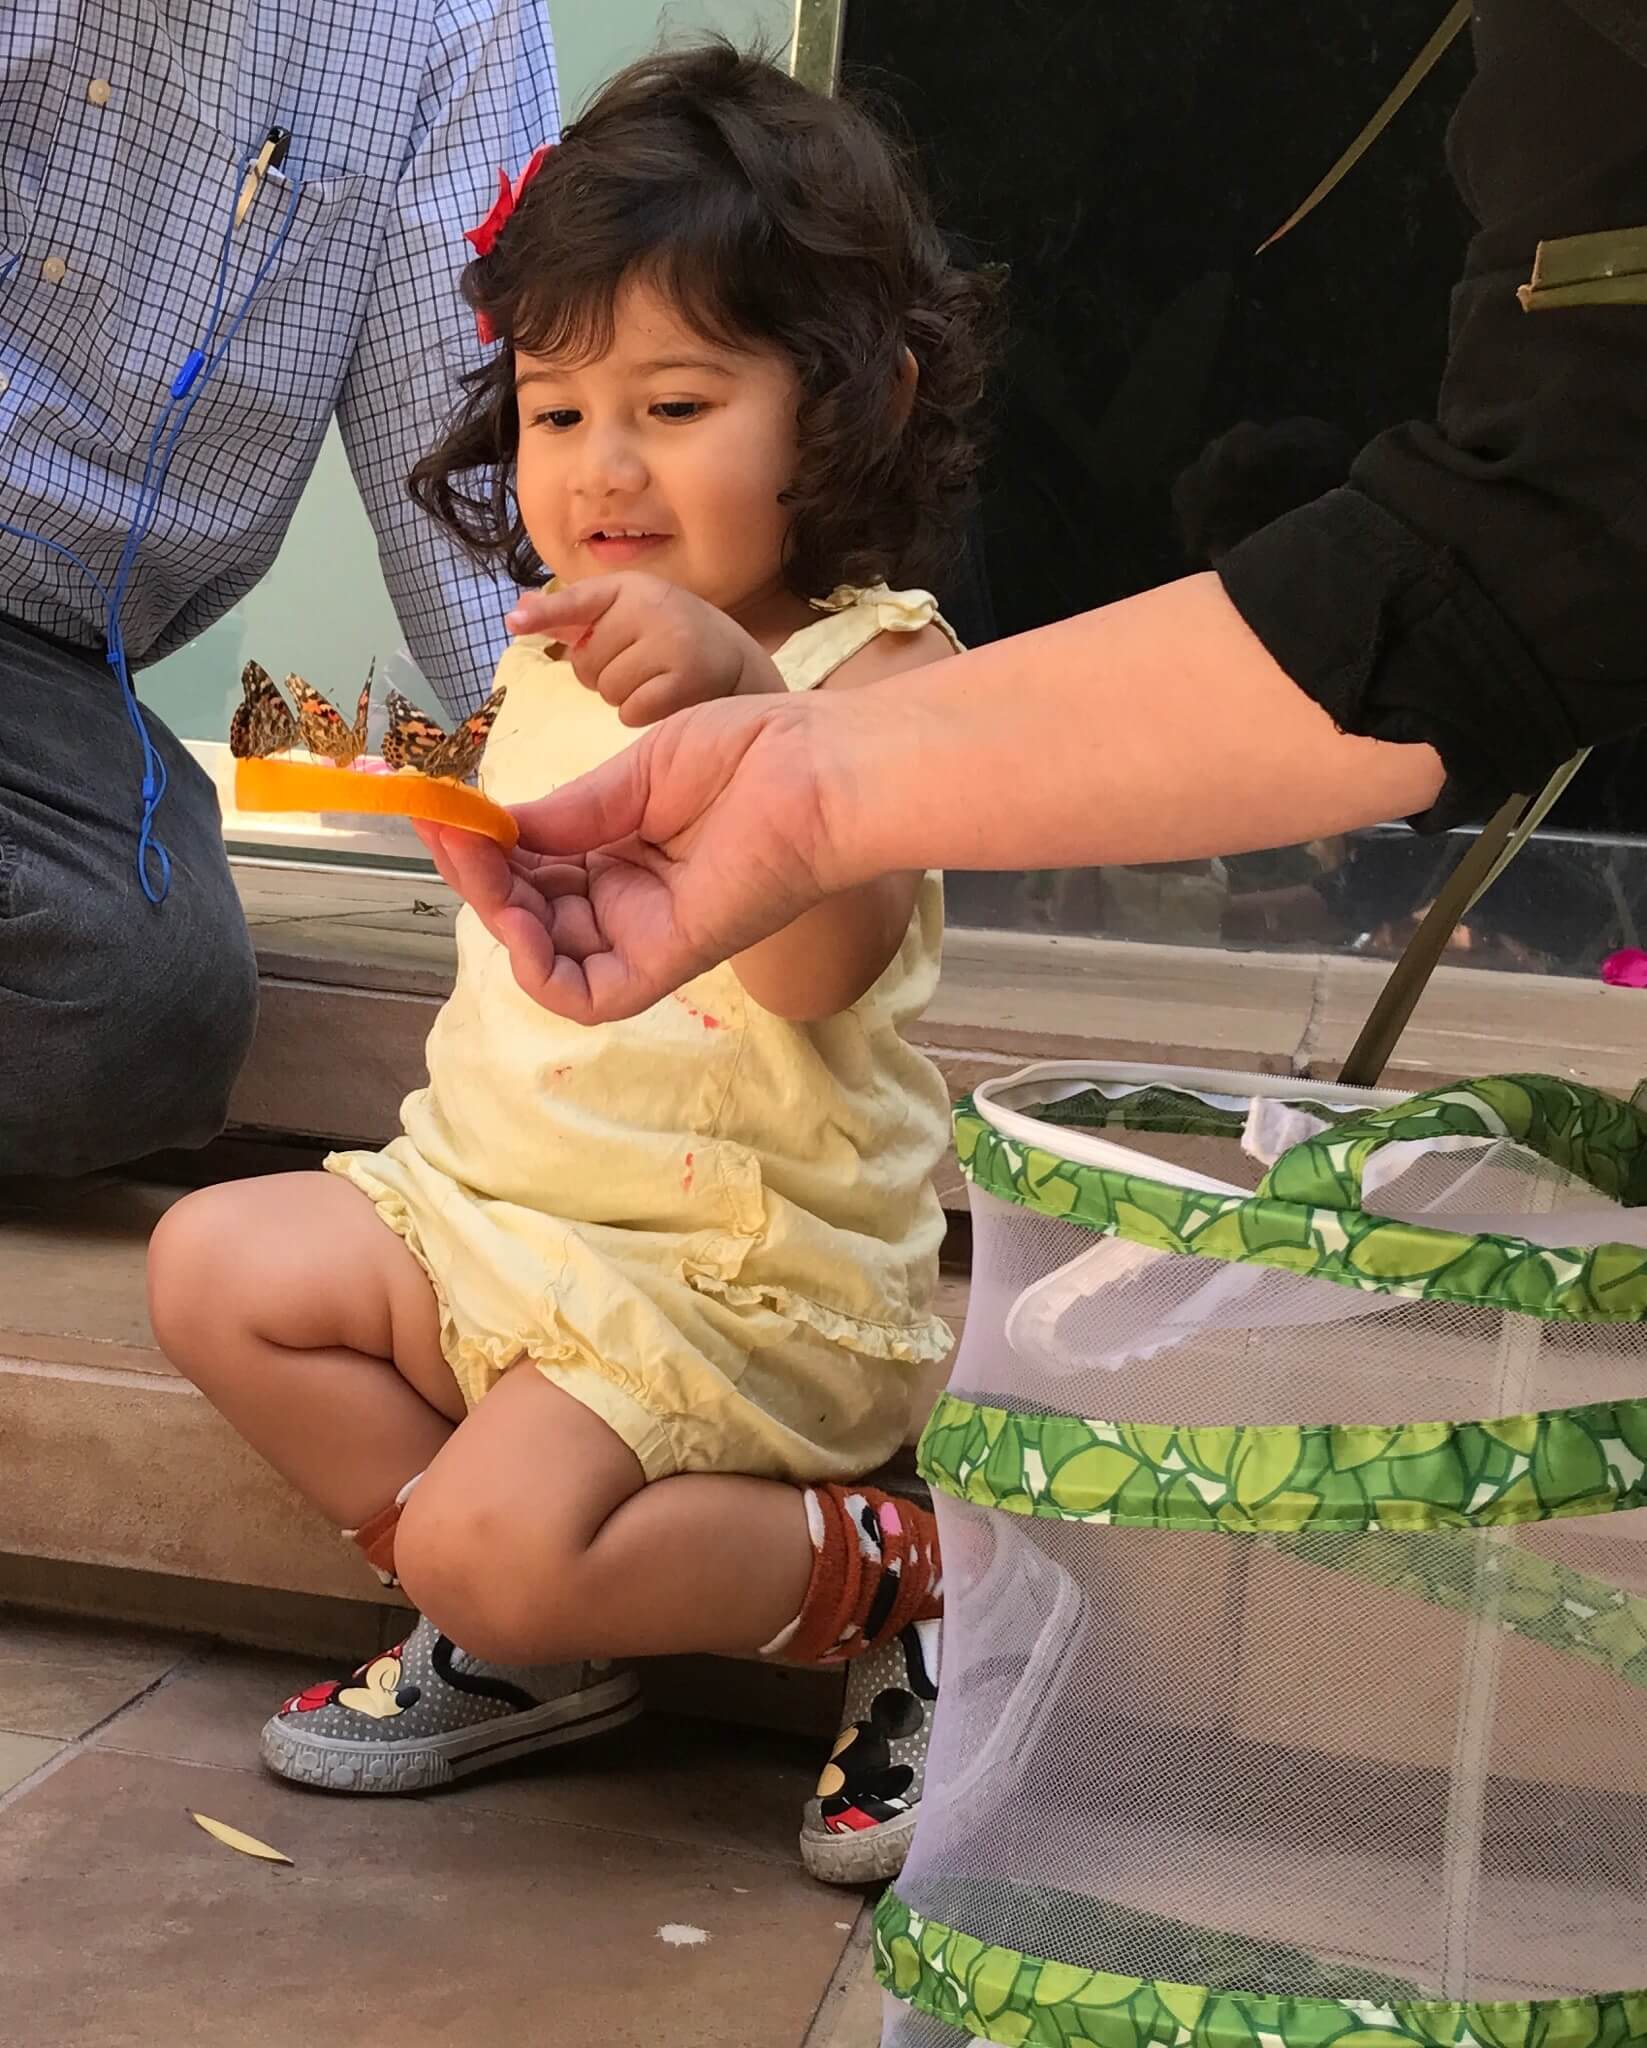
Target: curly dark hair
{"type": "Point", "coordinates": [767, 215]}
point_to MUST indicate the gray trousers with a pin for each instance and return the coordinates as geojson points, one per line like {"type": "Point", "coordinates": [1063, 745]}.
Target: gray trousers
{"type": "Point", "coordinates": [122, 1024]}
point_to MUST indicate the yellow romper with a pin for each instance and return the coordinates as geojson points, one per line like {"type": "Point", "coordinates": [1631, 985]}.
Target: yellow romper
{"type": "Point", "coordinates": [715, 1229]}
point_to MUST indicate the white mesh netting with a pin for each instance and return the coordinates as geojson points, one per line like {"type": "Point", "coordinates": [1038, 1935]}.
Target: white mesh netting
{"type": "Point", "coordinates": [1341, 1764]}
{"type": "Point", "coordinates": [1070, 1323]}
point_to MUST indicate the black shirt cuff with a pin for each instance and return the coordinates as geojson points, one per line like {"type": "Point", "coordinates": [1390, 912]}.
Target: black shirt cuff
{"type": "Point", "coordinates": [1395, 640]}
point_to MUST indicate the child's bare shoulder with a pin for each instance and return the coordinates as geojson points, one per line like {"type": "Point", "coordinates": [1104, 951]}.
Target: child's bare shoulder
{"type": "Point", "coordinates": [891, 654]}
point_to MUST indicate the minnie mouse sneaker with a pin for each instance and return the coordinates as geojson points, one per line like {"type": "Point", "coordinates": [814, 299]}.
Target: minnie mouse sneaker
{"type": "Point", "coordinates": [858, 1828]}
{"type": "Point", "coordinates": [425, 1713]}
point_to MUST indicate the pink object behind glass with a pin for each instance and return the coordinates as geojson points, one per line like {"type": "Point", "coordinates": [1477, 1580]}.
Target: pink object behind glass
{"type": "Point", "coordinates": [1626, 968]}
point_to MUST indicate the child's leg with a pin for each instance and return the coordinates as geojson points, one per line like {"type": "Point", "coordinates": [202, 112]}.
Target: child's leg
{"type": "Point", "coordinates": [533, 1538]}
{"type": "Point", "coordinates": [536, 1552]}
{"type": "Point", "coordinates": [309, 1325]}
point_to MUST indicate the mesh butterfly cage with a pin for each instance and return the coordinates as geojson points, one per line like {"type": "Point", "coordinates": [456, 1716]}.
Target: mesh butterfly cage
{"type": "Point", "coordinates": [1289, 1477]}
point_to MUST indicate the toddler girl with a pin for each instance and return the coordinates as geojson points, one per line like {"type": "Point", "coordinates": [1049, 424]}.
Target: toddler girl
{"type": "Point", "coordinates": [586, 1357]}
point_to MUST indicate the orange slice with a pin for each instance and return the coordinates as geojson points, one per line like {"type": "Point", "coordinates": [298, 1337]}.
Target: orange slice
{"type": "Point", "coordinates": [312, 786]}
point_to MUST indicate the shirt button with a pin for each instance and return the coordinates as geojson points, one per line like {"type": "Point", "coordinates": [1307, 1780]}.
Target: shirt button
{"type": "Point", "coordinates": [99, 92]}
{"type": "Point", "coordinates": [54, 270]}
{"type": "Point", "coordinates": [5, 383]}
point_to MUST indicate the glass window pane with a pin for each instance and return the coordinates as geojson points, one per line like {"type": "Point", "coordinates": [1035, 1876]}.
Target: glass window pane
{"type": "Point", "coordinates": [1125, 161]}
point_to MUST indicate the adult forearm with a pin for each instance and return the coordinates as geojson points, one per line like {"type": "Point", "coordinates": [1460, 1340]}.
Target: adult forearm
{"type": "Point", "coordinates": [1155, 729]}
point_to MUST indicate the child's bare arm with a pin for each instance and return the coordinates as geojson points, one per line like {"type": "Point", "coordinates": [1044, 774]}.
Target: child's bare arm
{"type": "Point", "coordinates": [823, 962]}
{"type": "Point", "coordinates": [650, 649]}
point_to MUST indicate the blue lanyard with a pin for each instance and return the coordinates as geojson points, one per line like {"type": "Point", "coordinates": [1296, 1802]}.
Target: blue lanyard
{"type": "Point", "coordinates": [194, 373]}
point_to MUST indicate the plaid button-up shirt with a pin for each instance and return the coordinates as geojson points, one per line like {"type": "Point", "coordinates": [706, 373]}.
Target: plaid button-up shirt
{"type": "Point", "coordinates": [124, 129]}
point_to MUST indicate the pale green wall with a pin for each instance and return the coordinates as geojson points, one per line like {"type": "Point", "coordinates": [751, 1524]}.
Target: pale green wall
{"type": "Point", "coordinates": [594, 38]}
{"type": "Point", "coordinates": [322, 609]}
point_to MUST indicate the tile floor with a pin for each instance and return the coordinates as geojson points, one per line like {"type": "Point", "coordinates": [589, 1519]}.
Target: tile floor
{"type": "Point", "coordinates": [522, 1910]}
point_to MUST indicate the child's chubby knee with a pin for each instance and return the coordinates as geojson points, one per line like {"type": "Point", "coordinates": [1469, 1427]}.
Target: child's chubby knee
{"type": "Point", "coordinates": [462, 1562]}
{"type": "Point", "coordinates": [277, 1258]}
{"type": "Point", "coordinates": [191, 1265]}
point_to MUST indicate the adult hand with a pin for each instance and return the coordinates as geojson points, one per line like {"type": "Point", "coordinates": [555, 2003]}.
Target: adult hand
{"type": "Point", "coordinates": [709, 834]}
{"type": "Point", "coordinates": [648, 647]}
{"type": "Point", "coordinates": [1156, 729]}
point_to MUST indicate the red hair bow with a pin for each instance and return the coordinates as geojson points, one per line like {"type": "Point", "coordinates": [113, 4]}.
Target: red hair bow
{"type": "Point", "coordinates": [484, 237]}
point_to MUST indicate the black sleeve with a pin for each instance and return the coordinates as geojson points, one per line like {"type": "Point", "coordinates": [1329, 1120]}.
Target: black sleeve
{"type": "Point", "coordinates": [1481, 583]}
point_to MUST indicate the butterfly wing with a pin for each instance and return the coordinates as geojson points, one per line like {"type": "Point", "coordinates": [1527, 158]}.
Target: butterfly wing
{"type": "Point", "coordinates": [458, 755]}
{"type": "Point", "coordinates": [263, 723]}
{"type": "Point", "coordinates": [321, 724]}
{"type": "Point", "coordinates": [412, 736]}
{"type": "Point", "coordinates": [363, 711]}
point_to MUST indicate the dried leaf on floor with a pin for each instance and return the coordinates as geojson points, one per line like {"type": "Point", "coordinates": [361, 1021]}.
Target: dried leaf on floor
{"type": "Point", "coordinates": [232, 1838]}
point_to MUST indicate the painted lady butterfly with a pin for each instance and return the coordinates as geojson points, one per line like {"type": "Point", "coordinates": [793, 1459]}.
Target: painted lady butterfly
{"type": "Point", "coordinates": [264, 724]}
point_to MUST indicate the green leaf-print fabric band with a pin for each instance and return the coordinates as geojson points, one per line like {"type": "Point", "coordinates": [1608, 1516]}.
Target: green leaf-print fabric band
{"type": "Point", "coordinates": [1592, 1136]}
{"type": "Point", "coordinates": [1019, 2001]}
{"type": "Point", "coordinates": [1280, 1480]}
{"type": "Point", "coordinates": [1306, 1217]}
{"type": "Point", "coordinates": [1547, 1602]}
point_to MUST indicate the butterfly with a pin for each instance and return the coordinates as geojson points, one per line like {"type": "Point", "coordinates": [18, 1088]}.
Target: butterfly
{"type": "Point", "coordinates": [322, 727]}
{"type": "Point", "coordinates": [263, 723]}
{"type": "Point", "coordinates": [414, 740]}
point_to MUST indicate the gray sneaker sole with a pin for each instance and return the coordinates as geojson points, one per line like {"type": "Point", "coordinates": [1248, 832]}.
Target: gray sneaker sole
{"type": "Point", "coordinates": [334, 1764]}
{"type": "Point", "coordinates": [864, 1856]}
